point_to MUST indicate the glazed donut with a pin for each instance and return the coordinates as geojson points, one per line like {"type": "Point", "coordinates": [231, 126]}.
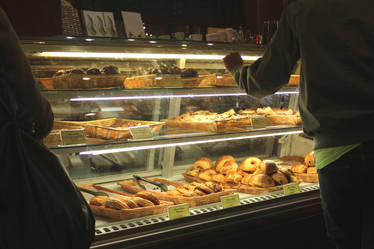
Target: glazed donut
{"type": "Point", "coordinates": [115, 203]}
{"type": "Point", "coordinates": [309, 159]}
{"type": "Point", "coordinates": [218, 178]}
{"type": "Point", "coordinates": [299, 168]}
{"type": "Point", "coordinates": [203, 163]}
{"type": "Point", "coordinates": [229, 166]}
{"type": "Point", "coordinates": [148, 196]}
{"type": "Point", "coordinates": [221, 161]}
{"type": "Point", "coordinates": [268, 167]}
{"type": "Point", "coordinates": [98, 200]}
{"type": "Point", "coordinates": [250, 164]}
{"type": "Point", "coordinates": [207, 175]}
{"type": "Point", "coordinates": [279, 178]}
{"type": "Point", "coordinates": [142, 202]}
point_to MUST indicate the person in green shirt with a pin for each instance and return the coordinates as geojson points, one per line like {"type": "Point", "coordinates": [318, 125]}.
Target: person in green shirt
{"type": "Point", "coordinates": [335, 42]}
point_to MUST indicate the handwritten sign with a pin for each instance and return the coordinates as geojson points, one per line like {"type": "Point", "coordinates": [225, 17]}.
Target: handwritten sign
{"type": "Point", "coordinates": [291, 188]}
{"type": "Point", "coordinates": [76, 136]}
{"type": "Point", "coordinates": [179, 211]}
{"type": "Point", "coordinates": [142, 132]}
{"type": "Point", "coordinates": [258, 122]}
{"type": "Point", "coordinates": [228, 201]}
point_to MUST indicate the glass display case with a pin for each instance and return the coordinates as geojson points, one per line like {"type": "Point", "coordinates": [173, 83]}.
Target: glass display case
{"type": "Point", "coordinates": [166, 111]}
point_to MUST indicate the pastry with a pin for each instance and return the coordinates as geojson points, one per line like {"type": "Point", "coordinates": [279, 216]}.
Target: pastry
{"type": "Point", "coordinates": [309, 159]}
{"type": "Point", "coordinates": [59, 72]}
{"type": "Point", "coordinates": [229, 166]}
{"type": "Point", "coordinates": [221, 161]}
{"type": "Point", "coordinates": [203, 187]}
{"type": "Point", "coordinates": [115, 203]}
{"type": "Point", "coordinates": [217, 187]}
{"type": "Point", "coordinates": [233, 177]}
{"type": "Point", "coordinates": [250, 164]}
{"type": "Point", "coordinates": [142, 202]}
{"type": "Point", "coordinates": [93, 71]}
{"type": "Point", "coordinates": [207, 175]}
{"type": "Point", "coordinates": [173, 192]}
{"type": "Point", "coordinates": [299, 168]}
{"type": "Point", "coordinates": [110, 70]}
{"type": "Point", "coordinates": [193, 172]}
{"type": "Point", "coordinates": [268, 167]}
{"type": "Point", "coordinates": [129, 202]}
{"type": "Point", "coordinates": [98, 200]}
{"type": "Point", "coordinates": [311, 170]}
{"type": "Point", "coordinates": [189, 72]}
{"type": "Point", "coordinates": [148, 196]}
{"type": "Point", "coordinates": [247, 179]}
{"type": "Point", "coordinates": [262, 181]}
{"type": "Point", "coordinates": [288, 173]}
{"type": "Point", "coordinates": [203, 163]}
{"type": "Point", "coordinates": [77, 71]}
{"type": "Point", "coordinates": [279, 178]}
{"type": "Point", "coordinates": [186, 192]}
{"type": "Point", "coordinates": [218, 178]}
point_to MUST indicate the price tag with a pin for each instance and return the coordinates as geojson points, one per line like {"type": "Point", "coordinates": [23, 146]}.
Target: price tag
{"type": "Point", "coordinates": [291, 188]}
{"type": "Point", "coordinates": [230, 201]}
{"type": "Point", "coordinates": [141, 132]}
{"type": "Point", "coordinates": [171, 80]}
{"type": "Point", "coordinates": [76, 136]}
{"type": "Point", "coordinates": [179, 211]}
{"type": "Point", "coordinates": [258, 122]}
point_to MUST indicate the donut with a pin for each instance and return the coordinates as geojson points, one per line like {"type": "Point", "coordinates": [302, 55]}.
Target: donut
{"type": "Point", "coordinates": [142, 202]}
{"type": "Point", "coordinates": [309, 159]}
{"type": "Point", "coordinates": [268, 167]}
{"type": "Point", "coordinates": [207, 175]}
{"type": "Point", "coordinates": [221, 161]}
{"type": "Point", "coordinates": [229, 166]}
{"type": "Point", "coordinates": [98, 200]}
{"type": "Point", "coordinates": [203, 163]}
{"type": "Point", "coordinates": [299, 168]}
{"type": "Point", "coordinates": [218, 178]}
{"type": "Point", "coordinates": [115, 203]}
{"type": "Point", "coordinates": [250, 164]}
{"type": "Point", "coordinates": [279, 178]}
{"type": "Point", "coordinates": [148, 196]}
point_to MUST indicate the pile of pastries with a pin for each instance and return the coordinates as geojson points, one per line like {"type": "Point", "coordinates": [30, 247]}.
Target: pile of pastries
{"type": "Point", "coordinates": [107, 70]}
{"type": "Point", "coordinates": [252, 171]}
{"type": "Point", "coordinates": [307, 167]}
{"type": "Point", "coordinates": [196, 189]}
{"type": "Point", "coordinates": [141, 199]}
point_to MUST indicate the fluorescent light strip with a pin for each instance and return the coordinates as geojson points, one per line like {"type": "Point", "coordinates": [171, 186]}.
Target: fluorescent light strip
{"type": "Point", "coordinates": [139, 55]}
{"type": "Point", "coordinates": [156, 146]}
{"type": "Point", "coordinates": [157, 96]}
{"type": "Point", "coordinates": [294, 92]}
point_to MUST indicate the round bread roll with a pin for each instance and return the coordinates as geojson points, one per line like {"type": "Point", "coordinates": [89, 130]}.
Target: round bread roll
{"type": "Point", "coordinates": [311, 170]}
{"type": "Point", "coordinates": [221, 161]}
{"type": "Point", "coordinates": [299, 168]}
{"type": "Point", "coordinates": [309, 159]}
{"type": "Point", "coordinates": [250, 164]}
{"type": "Point", "coordinates": [229, 166]}
{"type": "Point", "coordinates": [279, 178]}
{"type": "Point", "coordinates": [203, 163]}
{"type": "Point", "coordinates": [268, 167]}
{"type": "Point", "coordinates": [207, 175]}
{"type": "Point", "coordinates": [262, 181]}
{"type": "Point", "coordinates": [148, 196]}
{"type": "Point", "coordinates": [218, 178]}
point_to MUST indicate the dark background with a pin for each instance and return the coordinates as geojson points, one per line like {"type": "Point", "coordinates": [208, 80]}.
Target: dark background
{"type": "Point", "coordinates": [43, 18]}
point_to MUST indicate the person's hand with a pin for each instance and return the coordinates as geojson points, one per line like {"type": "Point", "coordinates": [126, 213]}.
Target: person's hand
{"type": "Point", "coordinates": [232, 61]}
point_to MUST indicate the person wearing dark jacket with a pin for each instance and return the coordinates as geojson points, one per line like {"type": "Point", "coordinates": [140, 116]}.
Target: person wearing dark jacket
{"type": "Point", "coordinates": [335, 41]}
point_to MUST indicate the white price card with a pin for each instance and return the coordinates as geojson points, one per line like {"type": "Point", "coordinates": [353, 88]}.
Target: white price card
{"type": "Point", "coordinates": [258, 122]}
{"type": "Point", "coordinates": [291, 188]}
{"type": "Point", "coordinates": [179, 211]}
{"type": "Point", "coordinates": [228, 201]}
{"type": "Point", "coordinates": [76, 136]}
{"type": "Point", "coordinates": [141, 132]}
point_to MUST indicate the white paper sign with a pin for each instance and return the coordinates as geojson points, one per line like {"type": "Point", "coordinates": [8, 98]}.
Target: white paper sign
{"type": "Point", "coordinates": [99, 23]}
{"type": "Point", "coordinates": [143, 132]}
{"type": "Point", "coordinates": [133, 24]}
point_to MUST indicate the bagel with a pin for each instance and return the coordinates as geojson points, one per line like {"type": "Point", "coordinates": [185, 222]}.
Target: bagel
{"type": "Point", "coordinates": [203, 163]}
{"type": "Point", "coordinates": [221, 161]}
{"type": "Point", "coordinates": [207, 175]}
{"type": "Point", "coordinates": [250, 164]}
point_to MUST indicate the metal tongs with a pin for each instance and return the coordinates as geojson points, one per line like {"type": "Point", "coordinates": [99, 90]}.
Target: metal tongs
{"type": "Point", "coordinates": [161, 185]}
{"type": "Point", "coordinates": [95, 193]}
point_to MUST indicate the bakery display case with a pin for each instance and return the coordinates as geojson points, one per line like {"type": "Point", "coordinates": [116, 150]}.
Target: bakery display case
{"type": "Point", "coordinates": [154, 124]}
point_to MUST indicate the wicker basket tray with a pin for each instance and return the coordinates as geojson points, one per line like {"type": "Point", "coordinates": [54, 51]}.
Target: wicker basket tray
{"type": "Point", "coordinates": [109, 128]}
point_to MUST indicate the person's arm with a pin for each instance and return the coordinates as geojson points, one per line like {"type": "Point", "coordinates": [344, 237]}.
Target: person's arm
{"type": "Point", "coordinates": [16, 72]}
{"type": "Point", "coordinates": [272, 71]}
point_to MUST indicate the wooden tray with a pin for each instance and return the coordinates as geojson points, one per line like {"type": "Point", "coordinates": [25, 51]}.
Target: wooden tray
{"type": "Point", "coordinates": [125, 214]}
{"type": "Point", "coordinates": [102, 128]}
{"type": "Point", "coordinates": [304, 177]}
{"type": "Point", "coordinates": [129, 186]}
{"type": "Point", "coordinates": [241, 188]}
{"type": "Point", "coordinates": [212, 126]}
